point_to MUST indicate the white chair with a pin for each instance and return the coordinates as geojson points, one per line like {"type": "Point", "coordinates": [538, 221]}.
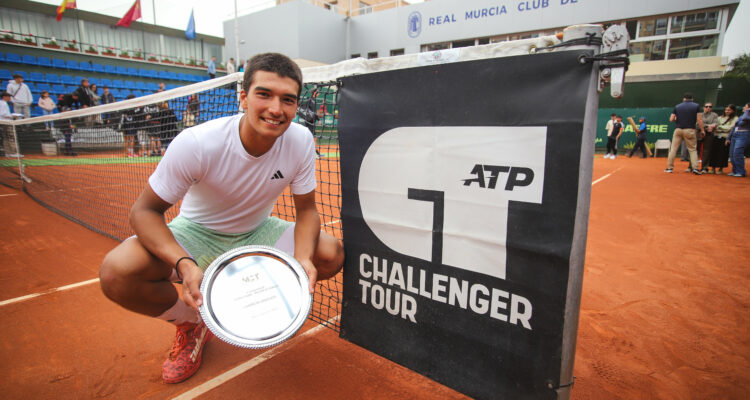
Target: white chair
{"type": "Point", "coordinates": [664, 144]}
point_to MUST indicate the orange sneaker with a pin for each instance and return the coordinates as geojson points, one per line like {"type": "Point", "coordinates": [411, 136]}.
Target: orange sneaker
{"type": "Point", "coordinates": [187, 352]}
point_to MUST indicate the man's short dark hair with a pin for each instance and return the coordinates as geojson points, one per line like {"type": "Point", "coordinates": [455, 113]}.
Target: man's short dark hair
{"type": "Point", "coordinates": [614, 115]}
{"type": "Point", "coordinates": [688, 96]}
{"type": "Point", "coordinates": [5, 94]}
{"type": "Point", "coordinates": [84, 80]}
{"type": "Point", "coordinates": [17, 76]}
{"type": "Point", "coordinates": [272, 62]}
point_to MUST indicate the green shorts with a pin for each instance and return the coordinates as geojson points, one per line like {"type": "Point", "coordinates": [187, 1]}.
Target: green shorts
{"type": "Point", "coordinates": [204, 244]}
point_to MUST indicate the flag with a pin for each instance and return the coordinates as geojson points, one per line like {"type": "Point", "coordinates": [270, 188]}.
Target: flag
{"type": "Point", "coordinates": [63, 6]}
{"type": "Point", "coordinates": [133, 14]}
{"type": "Point", "coordinates": [190, 31]}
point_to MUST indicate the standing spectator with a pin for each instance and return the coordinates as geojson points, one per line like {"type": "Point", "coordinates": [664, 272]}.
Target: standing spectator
{"type": "Point", "coordinates": [710, 120]}
{"type": "Point", "coordinates": [640, 138]}
{"type": "Point", "coordinates": [614, 137]}
{"type": "Point", "coordinates": [68, 134]}
{"type": "Point", "coordinates": [230, 66]}
{"type": "Point", "coordinates": [739, 138]}
{"type": "Point", "coordinates": [212, 67]}
{"type": "Point", "coordinates": [686, 115]}
{"type": "Point", "coordinates": [20, 96]}
{"type": "Point", "coordinates": [151, 113]}
{"type": "Point", "coordinates": [4, 108]}
{"type": "Point", "coordinates": [168, 126]}
{"type": "Point", "coordinates": [608, 127]}
{"type": "Point", "coordinates": [47, 105]}
{"type": "Point", "coordinates": [130, 127]}
{"type": "Point", "coordinates": [94, 95]}
{"type": "Point", "coordinates": [720, 145]}
{"type": "Point", "coordinates": [107, 96]}
{"type": "Point", "coordinates": [308, 113]}
{"type": "Point", "coordinates": [84, 94]}
{"type": "Point", "coordinates": [161, 87]}
{"type": "Point", "coordinates": [241, 66]}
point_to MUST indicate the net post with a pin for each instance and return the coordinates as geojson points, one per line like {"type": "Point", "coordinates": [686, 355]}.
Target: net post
{"type": "Point", "coordinates": [578, 250]}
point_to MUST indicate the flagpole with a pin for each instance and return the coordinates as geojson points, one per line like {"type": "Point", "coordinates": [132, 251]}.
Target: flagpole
{"type": "Point", "coordinates": [153, 8]}
{"type": "Point", "coordinates": [236, 38]}
{"type": "Point", "coordinates": [78, 25]}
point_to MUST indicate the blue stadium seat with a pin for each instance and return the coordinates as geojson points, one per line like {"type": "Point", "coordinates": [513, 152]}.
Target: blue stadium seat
{"type": "Point", "coordinates": [58, 89]}
{"type": "Point", "coordinates": [12, 58]}
{"type": "Point", "coordinates": [110, 69]}
{"type": "Point", "coordinates": [106, 82]}
{"type": "Point", "coordinates": [132, 71]}
{"type": "Point", "coordinates": [118, 84]}
{"type": "Point", "coordinates": [138, 93]}
{"type": "Point", "coordinates": [94, 81]}
{"type": "Point", "coordinates": [43, 61]}
{"type": "Point", "coordinates": [152, 73]}
{"type": "Point", "coordinates": [72, 64]}
{"type": "Point", "coordinates": [27, 59]}
{"type": "Point", "coordinates": [85, 66]}
{"type": "Point", "coordinates": [36, 77]}
{"type": "Point", "coordinates": [130, 85]}
{"type": "Point", "coordinates": [143, 72]}
{"type": "Point", "coordinates": [52, 78]}
{"type": "Point", "coordinates": [71, 88]}
{"type": "Point", "coordinates": [67, 80]}
{"type": "Point", "coordinates": [31, 86]}
{"type": "Point", "coordinates": [172, 75]}
{"type": "Point", "coordinates": [22, 73]}
{"type": "Point", "coordinates": [120, 70]}
{"type": "Point", "coordinates": [182, 77]}
{"type": "Point", "coordinates": [170, 86]}
{"type": "Point", "coordinates": [78, 79]}
{"type": "Point", "coordinates": [5, 75]}
{"type": "Point", "coordinates": [98, 68]}
{"type": "Point", "coordinates": [163, 75]}
{"type": "Point", "coordinates": [43, 86]}
{"type": "Point", "coordinates": [2, 57]}
{"type": "Point", "coordinates": [58, 63]}
{"type": "Point", "coordinates": [152, 86]}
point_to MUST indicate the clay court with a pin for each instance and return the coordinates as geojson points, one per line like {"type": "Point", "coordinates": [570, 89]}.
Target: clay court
{"type": "Point", "coordinates": [664, 311]}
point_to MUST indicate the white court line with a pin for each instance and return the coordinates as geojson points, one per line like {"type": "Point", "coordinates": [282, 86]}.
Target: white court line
{"type": "Point", "coordinates": [332, 222]}
{"type": "Point", "coordinates": [605, 177]}
{"type": "Point", "coordinates": [9, 194]}
{"type": "Point", "coordinates": [247, 365]}
{"type": "Point", "coordinates": [60, 289]}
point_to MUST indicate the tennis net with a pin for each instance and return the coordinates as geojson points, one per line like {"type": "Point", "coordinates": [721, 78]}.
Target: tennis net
{"type": "Point", "coordinates": [91, 164]}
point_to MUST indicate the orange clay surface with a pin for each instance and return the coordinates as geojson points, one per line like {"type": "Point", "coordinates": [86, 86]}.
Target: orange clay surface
{"type": "Point", "coordinates": [665, 311]}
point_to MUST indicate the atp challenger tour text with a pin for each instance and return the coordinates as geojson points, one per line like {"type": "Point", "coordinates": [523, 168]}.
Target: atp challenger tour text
{"type": "Point", "coordinates": [436, 287]}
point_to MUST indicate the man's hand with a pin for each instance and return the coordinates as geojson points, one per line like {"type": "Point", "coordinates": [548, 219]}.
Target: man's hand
{"type": "Point", "coordinates": [312, 273]}
{"type": "Point", "coordinates": [192, 276]}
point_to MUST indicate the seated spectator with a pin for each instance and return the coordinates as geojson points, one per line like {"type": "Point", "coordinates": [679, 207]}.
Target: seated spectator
{"type": "Point", "coordinates": [47, 105]}
{"type": "Point", "coordinates": [107, 96]}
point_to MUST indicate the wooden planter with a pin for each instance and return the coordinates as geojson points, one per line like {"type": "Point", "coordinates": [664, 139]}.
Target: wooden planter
{"type": "Point", "coordinates": [51, 46]}
{"type": "Point", "coordinates": [108, 53]}
{"type": "Point", "coordinates": [137, 58]}
{"type": "Point", "coordinates": [92, 52]}
{"type": "Point", "coordinates": [72, 49]}
{"type": "Point", "coordinates": [122, 56]}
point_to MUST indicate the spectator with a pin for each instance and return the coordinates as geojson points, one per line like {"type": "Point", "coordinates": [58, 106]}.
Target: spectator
{"type": "Point", "coordinates": [686, 115]}
{"type": "Point", "coordinates": [84, 94]}
{"type": "Point", "coordinates": [167, 126]}
{"type": "Point", "coordinates": [94, 95]}
{"type": "Point", "coordinates": [308, 114]}
{"type": "Point", "coordinates": [20, 96]}
{"type": "Point", "coordinates": [608, 127]}
{"type": "Point", "coordinates": [4, 108]}
{"type": "Point", "coordinates": [161, 87]}
{"type": "Point", "coordinates": [720, 145]}
{"type": "Point", "coordinates": [67, 131]}
{"type": "Point", "coordinates": [230, 66]}
{"type": "Point", "coordinates": [710, 120]}
{"type": "Point", "coordinates": [212, 67]}
{"type": "Point", "coordinates": [107, 96]}
{"type": "Point", "coordinates": [192, 112]}
{"type": "Point", "coordinates": [241, 66]}
{"type": "Point", "coordinates": [69, 102]}
{"type": "Point", "coordinates": [151, 113]}
{"type": "Point", "coordinates": [130, 127]}
{"type": "Point", "coordinates": [738, 139]}
{"type": "Point", "coordinates": [47, 105]}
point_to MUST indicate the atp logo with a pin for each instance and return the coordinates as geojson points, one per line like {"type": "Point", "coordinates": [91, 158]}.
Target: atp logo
{"type": "Point", "coordinates": [414, 24]}
{"type": "Point", "coordinates": [441, 194]}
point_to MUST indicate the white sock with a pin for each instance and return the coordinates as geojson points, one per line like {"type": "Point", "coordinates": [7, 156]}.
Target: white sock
{"type": "Point", "coordinates": [180, 313]}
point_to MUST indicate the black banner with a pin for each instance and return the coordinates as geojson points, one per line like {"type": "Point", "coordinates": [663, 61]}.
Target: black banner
{"type": "Point", "coordinates": [460, 190]}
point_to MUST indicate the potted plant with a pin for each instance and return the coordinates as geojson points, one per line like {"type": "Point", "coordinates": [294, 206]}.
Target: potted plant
{"type": "Point", "coordinates": [124, 54]}
{"type": "Point", "coordinates": [71, 46]}
{"type": "Point", "coordinates": [109, 52]}
{"type": "Point", "coordinates": [179, 62]}
{"type": "Point", "coordinates": [30, 40]}
{"type": "Point", "coordinates": [152, 57]}
{"type": "Point", "coordinates": [92, 50]}
{"type": "Point", "coordinates": [8, 37]}
{"type": "Point", "coordinates": [191, 62]}
{"type": "Point", "coordinates": [51, 44]}
{"type": "Point", "coordinates": [137, 55]}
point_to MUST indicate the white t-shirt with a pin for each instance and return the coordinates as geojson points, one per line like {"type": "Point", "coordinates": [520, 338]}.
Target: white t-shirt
{"type": "Point", "coordinates": [222, 186]}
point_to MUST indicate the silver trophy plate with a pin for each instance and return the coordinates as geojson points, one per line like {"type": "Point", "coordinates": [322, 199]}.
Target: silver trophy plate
{"type": "Point", "coordinates": [255, 297]}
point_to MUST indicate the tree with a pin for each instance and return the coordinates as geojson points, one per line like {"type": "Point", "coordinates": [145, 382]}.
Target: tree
{"type": "Point", "coordinates": [739, 67]}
